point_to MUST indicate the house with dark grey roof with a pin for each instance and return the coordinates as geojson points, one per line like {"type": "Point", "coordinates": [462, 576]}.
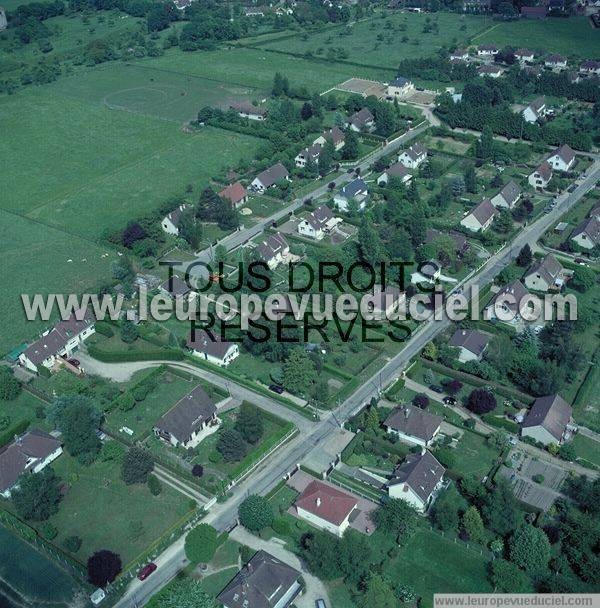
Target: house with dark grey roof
{"type": "Point", "coordinates": [471, 344]}
{"type": "Point", "coordinates": [400, 88]}
{"type": "Point", "coordinates": [382, 303]}
{"type": "Point", "coordinates": [355, 190]}
{"type": "Point", "coordinates": [487, 50]}
{"type": "Point", "coordinates": [524, 55]}
{"type": "Point", "coordinates": [361, 121]}
{"type": "Point", "coordinates": [459, 55]}
{"type": "Point", "coordinates": [177, 288]}
{"type": "Point", "coordinates": [490, 71]}
{"type": "Point", "coordinates": [247, 110]}
{"type": "Point", "coordinates": [208, 345]}
{"type": "Point", "coordinates": [273, 250]}
{"type": "Point", "coordinates": [545, 275]}
{"type": "Point", "coordinates": [310, 154]}
{"type": "Point", "coordinates": [508, 197]}
{"type": "Point", "coordinates": [170, 223]}
{"type": "Point", "coordinates": [481, 216]}
{"type": "Point", "coordinates": [335, 135]}
{"type": "Point", "coordinates": [477, 6]}
{"type": "Point", "coordinates": [27, 453]}
{"type": "Point", "coordinates": [535, 110]}
{"type": "Point", "coordinates": [541, 177]}
{"type": "Point", "coordinates": [562, 159]}
{"type": "Point", "coordinates": [534, 12]}
{"type": "Point", "coordinates": [413, 425]}
{"type": "Point", "coordinates": [587, 234]}
{"type": "Point", "coordinates": [189, 421]}
{"type": "Point", "coordinates": [269, 178]}
{"type": "Point", "coordinates": [397, 170]}
{"type": "Point", "coordinates": [556, 62]}
{"type": "Point", "coordinates": [417, 480]}
{"type": "Point", "coordinates": [590, 67]}
{"type": "Point", "coordinates": [264, 582]}
{"type": "Point", "coordinates": [59, 342]}
{"type": "Point", "coordinates": [508, 303]}
{"type": "Point", "coordinates": [317, 224]}
{"type": "Point", "coordinates": [549, 420]}
{"type": "Point", "coordinates": [414, 156]}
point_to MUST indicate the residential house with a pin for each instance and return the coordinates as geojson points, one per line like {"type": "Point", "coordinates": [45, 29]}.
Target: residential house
{"type": "Point", "coordinates": [307, 155]}
{"type": "Point", "coordinates": [524, 55]}
{"type": "Point", "coordinates": [590, 68]}
{"type": "Point", "coordinates": [507, 304]}
{"type": "Point", "coordinates": [532, 70]}
{"type": "Point", "coordinates": [490, 71]}
{"type": "Point", "coordinates": [335, 135]}
{"type": "Point", "coordinates": [587, 234]}
{"type": "Point", "coordinates": [59, 342]}
{"type": "Point", "coordinates": [176, 288]}
{"type": "Point", "coordinates": [236, 194]}
{"type": "Point", "coordinates": [182, 4]}
{"type": "Point", "coordinates": [481, 217]}
{"type": "Point", "coordinates": [264, 582]}
{"type": "Point", "coordinates": [170, 223]}
{"type": "Point", "coordinates": [256, 12]}
{"type": "Point", "coordinates": [508, 197]}
{"type": "Point", "coordinates": [459, 55]}
{"type": "Point", "coordinates": [487, 50]}
{"type": "Point", "coordinates": [417, 480]}
{"type": "Point", "coordinates": [270, 177]}
{"type": "Point", "coordinates": [471, 344]}
{"type": "Point", "coordinates": [541, 177]}
{"type": "Point", "coordinates": [414, 425]}
{"type": "Point", "coordinates": [250, 111]}
{"type": "Point", "coordinates": [534, 12]}
{"type": "Point", "coordinates": [356, 190]}
{"type": "Point", "coordinates": [545, 275]}
{"type": "Point", "coordinates": [211, 348]}
{"type": "Point", "coordinates": [396, 170]}
{"type": "Point", "coordinates": [460, 242]}
{"type": "Point", "coordinates": [318, 223]}
{"type": "Point", "coordinates": [535, 110]}
{"type": "Point", "coordinates": [400, 88]}
{"type": "Point", "coordinates": [595, 212]}
{"type": "Point", "coordinates": [572, 77]}
{"type": "Point", "coordinates": [383, 303]}
{"type": "Point", "coordinates": [325, 507]}
{"type": "Point", "coordinates": [549, 420]}
{"type": "Point", "coordinates": [361, 121]}
{"type": "Point", "coordinates": [477, 6]}
{"type": "Point", "coordinates": [189, 421]}
{"type": "Point", "coordinates": [562, 159]}
{"type": "Point", "coordinates": [27, 453]}
{"type": "Point", "coordinates": [556, 62]}
{"type": "Point", "coordinates": [414, 156]}
{"type": "Point", "coordinates": [273, 250]}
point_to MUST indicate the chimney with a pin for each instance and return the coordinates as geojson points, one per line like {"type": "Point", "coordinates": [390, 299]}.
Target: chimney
{"type": "Point", "coordinates": [406, 412]}
{"type": "Point", "coordinates": [464, 333]}
{"type": "Point", "coordinates": [318, 501]}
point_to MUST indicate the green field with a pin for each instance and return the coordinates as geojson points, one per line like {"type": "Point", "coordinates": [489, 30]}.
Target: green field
{"type": "Point", "coordinates": [587, 450]}
{"type": "Point", "coordinates": [401, 36]}
{"type": "Point", "coordinates": [474, 456]}
{"type": "Point", "coordinates": [23, 408]}
{"type": "Point", "coordinates": [574, 37]}
{"type": "Point", "coordinates": [35, 581]}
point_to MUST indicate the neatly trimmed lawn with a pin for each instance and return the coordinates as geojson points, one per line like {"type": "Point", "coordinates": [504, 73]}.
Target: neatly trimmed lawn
{"type": "Point", "coordinates": [587, 450]}
{"type": "Point", "coordinates": [24, 408]}
{"type": "Point", "coordinates": [474, 456]}
{"type": "Point", "coordinates": [226, 555]}
{"type": "Point", "coordinates": [214, 583]}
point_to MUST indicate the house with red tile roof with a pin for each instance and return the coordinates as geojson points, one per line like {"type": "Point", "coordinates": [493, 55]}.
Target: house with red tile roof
{"type": "Point", "coordinates": [236, 194]}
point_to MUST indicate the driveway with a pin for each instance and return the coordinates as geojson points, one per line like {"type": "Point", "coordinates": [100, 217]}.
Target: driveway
{"type": "Point", "coordinates": [315, 589]}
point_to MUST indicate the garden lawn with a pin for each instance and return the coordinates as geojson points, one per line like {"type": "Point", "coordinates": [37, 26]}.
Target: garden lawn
{"type": "Point", "coordinates": [474, 456]}
{"type": "Point", "coordinates": [103, 511]}
{"type": "Point", "coordinates": [587, 450]}
{"type": "Point", "coordinates": [215, 583]}
{"type": "Point", "coordinates": [226, 555]}
{"type": "Point", "coordinates": [24, 408]}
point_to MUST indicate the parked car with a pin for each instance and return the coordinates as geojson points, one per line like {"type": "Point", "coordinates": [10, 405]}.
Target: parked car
{"type": "Point", "coordinates": [435, 388]}
{"type": "Point", "coordinates": [74, 362]}
{"type": "Point", "coordinates": [320, 603]}
{"type": "Point", "coordinates": [276, 388]}
{"type": "Point", "coordinates": [450, 400]}
{"type": "Point", "coordinates": [146, 571]}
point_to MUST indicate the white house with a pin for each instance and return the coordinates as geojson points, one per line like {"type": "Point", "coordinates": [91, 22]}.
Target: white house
{"type": "Point", "coordinates": [414, 156]}
{"type": "Point", "coordinates": [417, 480]}
{"type": "Point", "coordinates": [211, 348]}
{"type": "Point", "coordinates": [189, 421]}
{"type": "Point", "coordinates": [535, 110]}
{"type": "Point", "coordinates": [274, 250]}
{"type": "Point", "coordinates": [487, 50]}
{"type": "Point", "coordinates": [413, 425]}
{"type": "Point", "coordinates": [562, 159]}
{"type": "Point", "coordinates": [471, 344]}
{"type": "Point", "coordinates": [396, 170]}
{"type": "Point", "coordinates": [318, 223]}
{"type": "Point", "coordinates": [481, 217]}
{"type": "Point", "coordinates": [545, 275]}
{"type": "Point", "coordinates": [335, 135]}
{"type": "Point", "coordinates": [490, 71]}
{"type": "Point", "coordinates": [356, 190]}
{"type": "Point", "coordinates": [170, 223]}
{"type": "Point", "coordinates": [590, 68]}
{"type": "Point", "coordinates": [508, 197]}
{"type": "Point", "coordinates": [507, 304]}
{"type": "Point", "coordinates": [587, 234]}
{"type": "Point", "coordinates": [400, 88]}
{"type": "Point", "coordinates": [459, 55]}
{"type": "Point", "coordinates": [382, 303]}
{"type": "Point", "coordinates": [270, 177]}
{"type": "Point", "coordinates": [27, 453]}
{"type": "Point", "coordinates": [524, 55]}
{"type": "Point", "coordinates": [326, 507]}
{"type": "Point", "coordinates": [308, 154]}
{"type": "Point", "coordinates": [61, 341]}
{"type": "Point", "coordinates": [236, 194]}
{"type": "Point", "coordinates": [361, 121]}
{"type": "Point", "coordinates": [549, 420]}
{"type": "Point", "coordinates": [541, 177]}
{"type": "Point", "coordinates": [247, 110]}
{"type": "Point", "coordinates": [176, 288]}
{"type": "Point", "coordinates": [556, 62]}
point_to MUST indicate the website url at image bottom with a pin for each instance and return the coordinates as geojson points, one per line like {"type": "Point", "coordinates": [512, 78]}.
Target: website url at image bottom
{"type": "Point", "coordinates": [469, 600]}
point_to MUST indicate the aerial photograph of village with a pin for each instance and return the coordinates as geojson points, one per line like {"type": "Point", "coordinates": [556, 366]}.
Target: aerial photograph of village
{"type": "Point", "coordinates": [301, 303]}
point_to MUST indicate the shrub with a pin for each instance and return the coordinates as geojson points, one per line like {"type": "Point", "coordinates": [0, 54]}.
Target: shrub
{"type": "Point", "coordinates": [201, 544]}
{"type": "Point", "coordinates": [126, 402]}
{"type": "Point", "coordinates": [246, 553]}
{"type": "Point", "coordinates": [538, 478]}
{"type": "Point", "coordinates": [103, 567]}
{"type": "Point", "coordinates": [154, 485]}
{"type": "Point", "coordinates": [197, 470]}
{"type": "Point", "coordinates": [4, 422]}
{"type": "Point", "coordinates": [72, 544]}
{"type": "Point", "coordinates": [140, 393]}
{"type": "Point", "coordinates": [137, 465]}
{"type": "Point", "coordinates": [104, 329]}
{"type": "Point", "coordinates": [255, 513]}
{"type": "Point", "coordinates": [49, 531]}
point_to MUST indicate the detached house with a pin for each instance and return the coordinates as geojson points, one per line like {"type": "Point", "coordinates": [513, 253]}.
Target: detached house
{"type": "Point", "coordinates": [590, 68]}
{"type": "Point", "coordinates": [189, 421]}
{"type": "Point", "coordinates": [459, 55]}
{"type": "Point", "coordinates": [236, 194]}
{"type": "Point", "coordinates": [417, 480]}
{"type": "Point", "coordinates": [535, 110]}
{"type": "Point", "coordinates": [524, 55]}
{"type": "Point", "coordinates": [355, 190]}
{"type": "Point", "coordinates": [587, 234]}
{"type": "Point", "coordinates": [562, 159]}
{"type": "Point", "coordinates": [269, 178]}
{"type": "Point", "coordinates": [264, 582]}
{"type": "Point", "coordinates": [247, 110]}
{"type": "Point", "coordinates": [549, 420]}
{"type": "Point", "coordinates": [534, 12]}
{"type": "Point", "coordinates": [545, 275]}
{"type": "Point", "coordinates": [556, 62]}
{"type": "Point", "coordinates": [508, 197]}
{"type": "Point", "coordinates": [541, 177]}
{"type": "Point", "coordinates": [362, 120]}
{"type": "Point", "coordinates": [385, 302]}
{"type": "Point", "coordinates": [211, 348]}
{"type": "Point", "coordinates": [414, 425]}
{"type": "Point", "coordinates": [396, 170]}
{"type": "Point", "coordinates": [60, 342]}
{"type": "Point", "coordinates": [481, 217]}
{"type": "Point", "coordinates": [400, 88]}
{"type": "Point", "coordinates": [310, 154]}
{"type": "Point", "coordinates": [506, 306]}
{"type": "Point", "coordinates": [177, 289]}
{"type": "Point", "coordinates": [490, 71]}
{"type": "Point", "coordinates": [414, 156]}
{"type": "Point", "coordinates": [471, 344]}
{"type": "Point", "coordinates": [335, 135]}
{"type": "Point", "coordinates": [27, 453]}
{"type": "Point", "coordinates": [170, 223]}
{"type": "Point", "coordinates": [487, 50]}
{"type": "Point", "coordinates": [274, 250]}
{"type": "Point", "coordinates": [318, 223]}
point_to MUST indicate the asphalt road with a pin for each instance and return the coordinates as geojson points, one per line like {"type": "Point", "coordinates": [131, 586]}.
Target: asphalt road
{"type": "Point", "coordinates": [223, 516]}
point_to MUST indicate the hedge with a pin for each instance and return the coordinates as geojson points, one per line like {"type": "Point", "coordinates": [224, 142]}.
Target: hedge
{"type": "Point", "coordinates": [501, 423]}
{"type": "Point", "coordinates": [170, 354]}
{"type": "Point", "coordinates": [335, 371]}
{"type": "Point", "coordinates": [17, 429]}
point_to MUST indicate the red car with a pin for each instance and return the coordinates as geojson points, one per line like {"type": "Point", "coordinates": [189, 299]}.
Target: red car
{"type": "Point", "coordinates": [146, 571]}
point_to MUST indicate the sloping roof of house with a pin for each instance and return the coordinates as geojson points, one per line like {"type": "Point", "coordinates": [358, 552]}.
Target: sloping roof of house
{"type": "Point", "coordinates": [516, 289]}
{"type": "Point", "coordinates": [414, 422]}
{"type": "Point", "coordinates": [544, 170]}
{"type": "Point", "coordinates": [537, 12]}
{"type": "Point", "coordinates": [397, 170]}
{"type": "Point", "coordinates": [178, 287]}
{"type": "Point", "coordinates": [335, 134]}
{"type": "Point", "coordinates": [384, 298]}
{"type": "Point", "coordinates": [484, 211]}
{"type": "Point", "coordinates": [459, 53]}
{"type": "Point", "coordinates": [262, 583]}
{"type": "Point", "coordinates": [361, 118]}
{"type": "Point", "coordinates": [487, 47]}
{"type": "Point", "coordinates": [511, 193]}
{"type": "Point", "coordinates": [399, 81]}
{"type": "Point", "coordinates": [591, 228]}
{"type": "Point", "coordinates": [565, 153]}
{"type": "Point", "coordinates": [551, 412]}
{"type": "Point", "coordinates": [524, 53]}
{"type": "Point", "coordinates": [489, 69]}
{"type": "Point", "coordinates": [234, 193]}
{"type": "Point", "coordinates": [326, 502]}
{"type": "Point", "coordinates": [311, 152]}
{"type": "Point", "coordinates": [272, 175]}
{"type": "Point", "coordinates": [246, 107]}
{"type": "Point", "coordinates": [555, 58]}
{"type": "Point", "coordinates": [175, 215]}
{"type": "Point", "coordinates": [590, 64]}
{"type": "Point", "coordinates": [273, 245]}
{"type": "Point", "coordinates": [319, 217]}
{"type": "Point", "coordinates": [213, 346]}
{"type": "Point", "coordinates": [416, 150]}
{"type": "Point", "coordinates": [421, 473]}
{"type": "Point", "coordinates": [470, 339]}
{"type": "Point", "coordinates": [188, 414]}
{"type": "Point", "coordinates": [549, 268]}
{"type": "Point", "coordinates": [354, 187]}
{"type": "Point", "coordinates": [15, 455]}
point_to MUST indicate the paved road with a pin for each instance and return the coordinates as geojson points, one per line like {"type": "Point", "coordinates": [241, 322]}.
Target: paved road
{"type": "Point", "coordinates": [265, 477]}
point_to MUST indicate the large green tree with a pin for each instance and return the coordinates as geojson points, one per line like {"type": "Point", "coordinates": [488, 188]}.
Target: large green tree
{"type": "Point", "coordinates": [255, 513]}
{"type": "Point", "coordinates": [10, 387]}
{"type": "Point", "coordinates": [37, 496]}
{"type": "Point", "coordinates": [231, 445]}
{"type": "Point", "coordinates": [473, 525]}
{"type": "Point", "coordinates": [378, 592]}
{"type": "Point", "coordinates": [250, 423]}
{"type": "Point", "coordinates": [396, 517]}
{"type": "Point", "coordinates": [137, 465]}
{"type": "Point", "coordinates": [299, 372]}
{"type": "Point", "coordinates": [529, 548]}
{"type": "Point", "coordinates": [201, 544]}
{"type": "Point", "coordinates": [508, 578]}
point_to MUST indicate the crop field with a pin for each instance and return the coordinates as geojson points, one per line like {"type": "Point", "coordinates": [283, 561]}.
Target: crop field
{"type": "Point", "coordinates": [384, 41]}
{"type": "Point", "coordinates": [574, 37]}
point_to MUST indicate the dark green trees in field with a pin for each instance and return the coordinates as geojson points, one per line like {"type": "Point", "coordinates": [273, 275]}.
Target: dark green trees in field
{"type": "Point", "coordinates": [250, 423]}
{"type": "Point", "coordinates": [201, 544]}
{"type": "Point", "coordinates": [137, 465]}
{"type": "Point", "coordinates": [37, 496]}
{"type": "Point", "coordinates": [103, 567]}
{"type": "Point", "coordinates": [231, 445]}
{"type": "Point", "coordinates": [255, 513]}
{"type": "Point", "coordinates": [9, 385]}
